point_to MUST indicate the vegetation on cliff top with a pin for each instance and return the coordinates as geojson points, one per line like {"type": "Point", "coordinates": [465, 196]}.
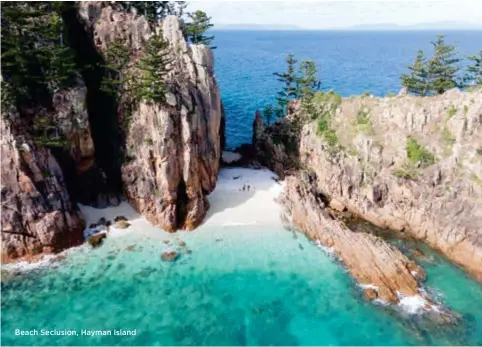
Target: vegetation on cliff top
{"type": "Point", "coordinates": [440, 72]}
{"type": "Point", "coordinates": [38, 61]}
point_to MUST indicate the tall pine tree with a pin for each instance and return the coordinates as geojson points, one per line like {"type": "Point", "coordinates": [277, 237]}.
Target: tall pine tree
{"type": "Point", "coordinates": [416, 81]}
{"type": "Point", "coordinates": [474, 70]}
{"type": "Point", "coordinates": [153, 67]}
{"type": "Point", "coordinates": [442, 66]}
{"type": "Point", "coordinates": [197, 27]}
{"type": "Point", "coordinates": [290, 84]}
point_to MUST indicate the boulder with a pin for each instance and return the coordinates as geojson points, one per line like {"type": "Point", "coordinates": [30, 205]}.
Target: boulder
{"type": "Point", "coordinates": [170, 256]}
{"type": "Point", "coordinates": [370, 294]}
{"type": "Point", "coordinates": [121, 224]}
{"type": "Point", "coordinates": [96, 240]}
{"type": "Point", "coordinates": [120, 218]}
{"type": "Point", "coordinates": [417, 253]}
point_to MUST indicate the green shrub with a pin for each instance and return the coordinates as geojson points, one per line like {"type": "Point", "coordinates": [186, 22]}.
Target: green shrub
{"type": "Point", "coordinates": [479, 151]}
{"type": "Point", "coordinates": [477, 180]}
{"type": "Point", "coordinates": [406, 172]}
{"type": "Point", "coordinates": [363, 121]}
{"type": "Point", "coordinates": [451, 112]}
{"type": "Point", "coordinates": [417, 154]}
{"type": "Point", "coordinates": [148, 141]}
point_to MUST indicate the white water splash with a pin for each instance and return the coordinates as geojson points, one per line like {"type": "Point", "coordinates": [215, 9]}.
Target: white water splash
{"type": "Point", "coordinates": [414, 304]}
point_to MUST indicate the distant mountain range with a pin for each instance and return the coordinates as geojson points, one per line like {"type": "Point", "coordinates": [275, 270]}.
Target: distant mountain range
{"type": "Point", "coordinates": [256, 27]}
{"type": "Point", "coordinates": [442, 25]}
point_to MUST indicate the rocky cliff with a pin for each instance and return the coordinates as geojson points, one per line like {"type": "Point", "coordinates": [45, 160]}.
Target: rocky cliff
{"type": "Point", "coordinates": [164, 157]}
{"type": "Point", "coordinates": [173, 147]}
{"type": "Point", "coordinates": [406, 163]}
{"type": "Point", "coordinates": [38, 214]}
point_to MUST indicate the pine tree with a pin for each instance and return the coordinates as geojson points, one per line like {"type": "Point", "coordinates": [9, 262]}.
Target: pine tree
{"type": "Point", "coordinates": [442, 68]}
{"type": "Point", "coordinates": [117, 62]}
{"type": "Point", "coordinates": [268, 113]}
{"type": "Point", "coordinates": [416, 81]}
{"type": "Point", "coordinates": [308, 84]}
{"type": "Point", "coordinates": [198, 26]}
{"type": "Point", "coordinates": [35, 59]}
{"type": "Point", "coordinates": [290, 81]}
{"type": "Point", "coordinates": [153, 67]}
{"type": "Point", "coordinates": [474, 71]}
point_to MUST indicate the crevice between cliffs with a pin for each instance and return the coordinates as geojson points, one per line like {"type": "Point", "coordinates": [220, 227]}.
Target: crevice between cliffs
{"type": "Point", "coordinates": [102, 108]}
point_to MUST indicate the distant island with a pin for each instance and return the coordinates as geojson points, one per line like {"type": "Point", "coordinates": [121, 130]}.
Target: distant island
{"type": "Point", "coordinates": [442, 25]}
{"type": "Point", "coordinates": [257, 27]}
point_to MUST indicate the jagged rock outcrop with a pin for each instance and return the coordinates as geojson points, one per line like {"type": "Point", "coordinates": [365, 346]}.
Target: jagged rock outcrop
{"type": "Point", "coordinates": [379, 266]}
{"type": "Point", "coordinates": [276, 145]}
{"type": "Point", "coordinates": [407, 163]}
{"type": "Point", "coordinates": [38, 214]}
{"type": "Point", "coordinates": [173, 147]}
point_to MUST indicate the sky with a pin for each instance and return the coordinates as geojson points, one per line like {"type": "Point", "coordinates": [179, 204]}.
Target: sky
{"type": "Point", "coordinates": [338, 14]}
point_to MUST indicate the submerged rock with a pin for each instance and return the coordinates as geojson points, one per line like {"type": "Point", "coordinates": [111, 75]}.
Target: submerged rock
{"type": "Point", "coordinates": [170, 256]}
{"type": "Point", "coordinates": [417, 253]}
{"type": "Point", "coordinates": [96, 240]}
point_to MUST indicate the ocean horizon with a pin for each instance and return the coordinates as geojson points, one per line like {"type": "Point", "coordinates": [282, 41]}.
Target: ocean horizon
{"type": "Point", "coordinates": [349, 62]}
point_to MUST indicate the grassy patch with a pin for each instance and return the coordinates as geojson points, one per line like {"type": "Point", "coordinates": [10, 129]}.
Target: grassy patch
{"type": "Point", "coordinates": [148, 141]}
{"type": "Point", "coordinates": [477, 180]}
{"type": "Point", "coordinates": [363, 121]}
{"type": "Point", "coordinates": [451, 112]}
{"type": "Point", "coordinates": [407, 172]}
{"type": "Point", "coordinates": [479, 151]}
{"type": "Point", "coordinates": [327, 133]}
{"type": "Point", "coordinates": [326, 104]}
{"type": "Point", "coordinates": [419, 155]}
{"type": "Point", "coordinates": [466, 110]}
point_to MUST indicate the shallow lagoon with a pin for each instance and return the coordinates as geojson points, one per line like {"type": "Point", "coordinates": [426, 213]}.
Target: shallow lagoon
{"type": "Point", "coordinates": [244, 285]}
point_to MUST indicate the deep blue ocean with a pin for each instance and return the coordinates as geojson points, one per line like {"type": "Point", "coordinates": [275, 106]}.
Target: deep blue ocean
{"type": "Point", "coordinates": [349, 62]}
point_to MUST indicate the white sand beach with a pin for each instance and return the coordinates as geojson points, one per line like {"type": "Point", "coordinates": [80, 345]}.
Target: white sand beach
{"type": "Point", "coordinates": [245, 196]}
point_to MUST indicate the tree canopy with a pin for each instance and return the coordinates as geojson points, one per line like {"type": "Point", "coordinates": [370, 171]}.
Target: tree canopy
{"type": "Point", "coordinates": [197, 27]}
{"type": "Point", "coordinates": [474, 70]}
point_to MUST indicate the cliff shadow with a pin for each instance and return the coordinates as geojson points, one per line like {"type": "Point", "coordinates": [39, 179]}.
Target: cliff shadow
{"type": "Point", "coordinates": [102, 107]}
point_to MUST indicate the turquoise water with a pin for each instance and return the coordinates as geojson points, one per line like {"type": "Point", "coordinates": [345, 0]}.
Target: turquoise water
{"type": "Point", "coordinates": [238, 286]}
{"type": "Point", "coordinates": [350, 62]}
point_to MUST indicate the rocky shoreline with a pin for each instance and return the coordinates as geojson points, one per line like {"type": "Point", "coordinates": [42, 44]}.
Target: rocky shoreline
{"type": "Point", "coordinates": [360, 174]}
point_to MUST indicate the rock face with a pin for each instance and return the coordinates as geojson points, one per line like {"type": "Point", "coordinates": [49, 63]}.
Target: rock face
{"type": "Point", "coordinates": [276, 145]}
{"type": "Point", "coordinates": [85, 180]}
{"type": "Point", "coordinates": [371, 261]}
{"type": "Point", "coordinates": [409, 164]}
{"type": "Point", "coordinates": [173, 147]}
{"type": "Point", "coordinates": [38, 214]}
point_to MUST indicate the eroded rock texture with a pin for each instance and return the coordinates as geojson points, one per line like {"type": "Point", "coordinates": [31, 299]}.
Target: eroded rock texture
{"type": "Point", "coordinates": [388, 273]}
{"type": "Point", "coordinates": [173, 147]}
{"type": "Point", "coordinates": [370, 174]}
{"type": "Point", "coordinates": [38, 214]}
